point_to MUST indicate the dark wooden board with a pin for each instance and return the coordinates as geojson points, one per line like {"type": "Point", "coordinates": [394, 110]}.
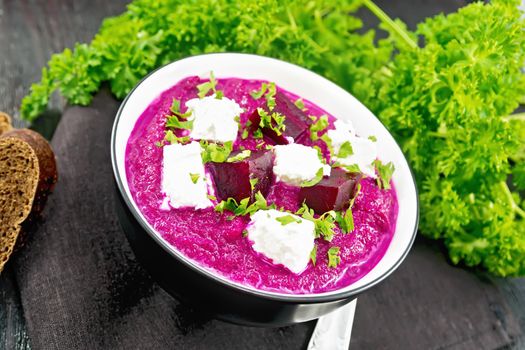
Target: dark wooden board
{"type": "Point", "coordinates": [426, 302]}
{"type": "Point", "coordinates": [429, 304]}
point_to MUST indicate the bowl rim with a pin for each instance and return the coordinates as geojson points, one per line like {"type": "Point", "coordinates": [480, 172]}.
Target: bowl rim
{"type": "Point", "coordinates": [224, 281]}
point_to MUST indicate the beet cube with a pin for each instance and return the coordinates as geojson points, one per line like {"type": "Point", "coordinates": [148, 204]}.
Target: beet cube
{"type": "Point", "coordinates": [233, 179]}
{"type": "Point", "coordinates": [331, 193]}
{"type": "Point", "coordinates": [296, 121]}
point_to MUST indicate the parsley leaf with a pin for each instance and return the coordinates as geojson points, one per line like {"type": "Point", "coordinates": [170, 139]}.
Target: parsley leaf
{"type": "Point", "coordinates": [230, 204]}
{"type": "Point", "coordinates": [211, 85]}
{"type": "Point", "coordinates": [240, 156]}
{"type": "Point", "coordinates": [253, 183]}
{"type": "Point", "coordinates": [313, 255]}
{"type": "Point", "coordinates": [288, 219]}
{"type": "Point", "coordinates": [345, 150]}
{"type": "Point", "coordinates": [270, 96]}
{"type": "Point", "coordinates": [268, 90]}
{"type": "Point", "coordinates": [243, 207]}
{"type": "Point", "coordinates": [172, 138]}
{"type": "Point", "coordinates": [175, 106]}
{"type": "Point", "coordinates": [346, 220]}
{"type": "Point", "coordinates": [318, 177]}
{"type": "Point", "coordinates": [333, 257]}
{"type": "Point", "coordinates": [299, 103]}
{"type": "Point", "coordinates": [328, 143]}
{"type": "Point", "coordinates": [257, 94]}
{"type": "Point", "coordinates": [324, 224]}
{"type": "Point", "coordinates": [175, 123]}
{"type": "Point", "coordinates": [178, 120]}
{"type": "Point", "coordinates": [194, 177]}
{"type": "Point", "coordinates": [273, 120]}
{"type": "Point", "coordinates": [320, 124]}
{"type": "Point", "coordinates": [352, 168]}
{"type": "Point", "coordinates": [214, 152]}
{"type": "Point", "coordinates": [385, 172]}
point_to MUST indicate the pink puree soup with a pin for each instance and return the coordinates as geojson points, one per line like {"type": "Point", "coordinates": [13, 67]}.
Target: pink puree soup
{"type": "Point", "coordinates": [212, 241]}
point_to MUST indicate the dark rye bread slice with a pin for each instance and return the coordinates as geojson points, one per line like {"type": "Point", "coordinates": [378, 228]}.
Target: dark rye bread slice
{"type": "Point", "coordinates": [28, 174]}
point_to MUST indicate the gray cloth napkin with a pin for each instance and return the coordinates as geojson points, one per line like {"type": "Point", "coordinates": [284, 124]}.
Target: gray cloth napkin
{"type": "Point", "coordinates": [80, 285]}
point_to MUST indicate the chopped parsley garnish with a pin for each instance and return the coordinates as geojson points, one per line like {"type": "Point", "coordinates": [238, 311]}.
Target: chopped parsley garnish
{"type": "Point", "coordinates": [194, 177]}
{"type": "Point", "coordinates": [384, 172]}
{"type": "Point", "coordinates": [352, 168]}
{"type": "Point", "coordinates": [243, 207]}
{"type": "Point", "coordinates": [273, 120]}
{"type": "Point", "coordinates": [208, 86]}
{"type": "Point", "coordinates": [244, 233]}
{"type": "Point", "coordinates": [253, 183]}
{"type": "Point", "coordinates": [333, 257]}
{"type": "Point", "coordinates": [175, 109]}
{"type": "Point", "coordinates": [318, 177]}
{"type": "Point", "coordinates": [270, 96]}
{"type": "Point", "coordinates": [328, 141]}
{"type": "Point", "coordinates": [212, 197]}
{"type": "Point", "coordinates": [159, 144]}
{"type": "Point", "coordinates": [288, 219]}
{"type": "Point", "coordinates": [346, 220]}
{"type": "Point", "coordinates": [240, 156]}
{"type": "Point", "coordinates": [175, 106]}
{"type": "Point", "coordinates": [257, 94]}
{"type": "Point", "coordinates": [214, 152]}
{"type": "Point", "coordinates": [320, 124]}
{"type": "Point", "coordinates": [172, 138]}
{"type": "Point", "coordinates": [229, 204]}
{"type": "Point", "coordinates": [178, 120]}
{"type": "Point", "coordinates": [313, 255]}
{"type": "Point", "coordinates": [345, 150]}
{"type": "Point", "coordinates": [299, 103]}
{"type": "Point", "coordinates": [268, 90]}
{"type": "Point", "coordinates": [372, 138]}
{"type": "Point", "coordinates": [324, 224]}
{"type": "Point", "coordinates": [176, 123]}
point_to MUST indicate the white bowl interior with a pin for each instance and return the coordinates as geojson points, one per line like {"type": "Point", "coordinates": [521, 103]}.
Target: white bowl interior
{"type": "Point", "coordinates": [306, 84]}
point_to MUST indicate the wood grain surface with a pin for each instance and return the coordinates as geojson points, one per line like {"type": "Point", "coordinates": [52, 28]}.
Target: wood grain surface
{"type": "Point", "coordinates": [426, 304]}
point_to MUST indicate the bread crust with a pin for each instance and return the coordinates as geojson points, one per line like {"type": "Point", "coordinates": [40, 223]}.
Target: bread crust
{"type": "Point", "coordinates": [5, 123]}
{"type": "Point", "coordinates": [40, 178]}
{"type": "Point", "coordinates": [46, 164]}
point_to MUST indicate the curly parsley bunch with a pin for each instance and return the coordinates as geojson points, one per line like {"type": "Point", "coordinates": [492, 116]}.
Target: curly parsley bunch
{"type": "Point", "coordinates": [448, 104]}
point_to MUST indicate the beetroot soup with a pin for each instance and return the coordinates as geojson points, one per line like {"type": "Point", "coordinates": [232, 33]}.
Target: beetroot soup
{"type": "Point", "coordinates": [261, 187]}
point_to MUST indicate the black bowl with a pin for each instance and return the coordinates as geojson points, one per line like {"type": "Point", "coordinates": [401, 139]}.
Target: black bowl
{"type": "Point", "coordinates": [225, 301]}
{"type": "Point", "coordinates": [194, 284]}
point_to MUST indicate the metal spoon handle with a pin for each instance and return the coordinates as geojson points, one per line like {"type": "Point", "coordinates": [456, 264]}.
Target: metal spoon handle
{"type": "Point", "coordinates": [333, 331]}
